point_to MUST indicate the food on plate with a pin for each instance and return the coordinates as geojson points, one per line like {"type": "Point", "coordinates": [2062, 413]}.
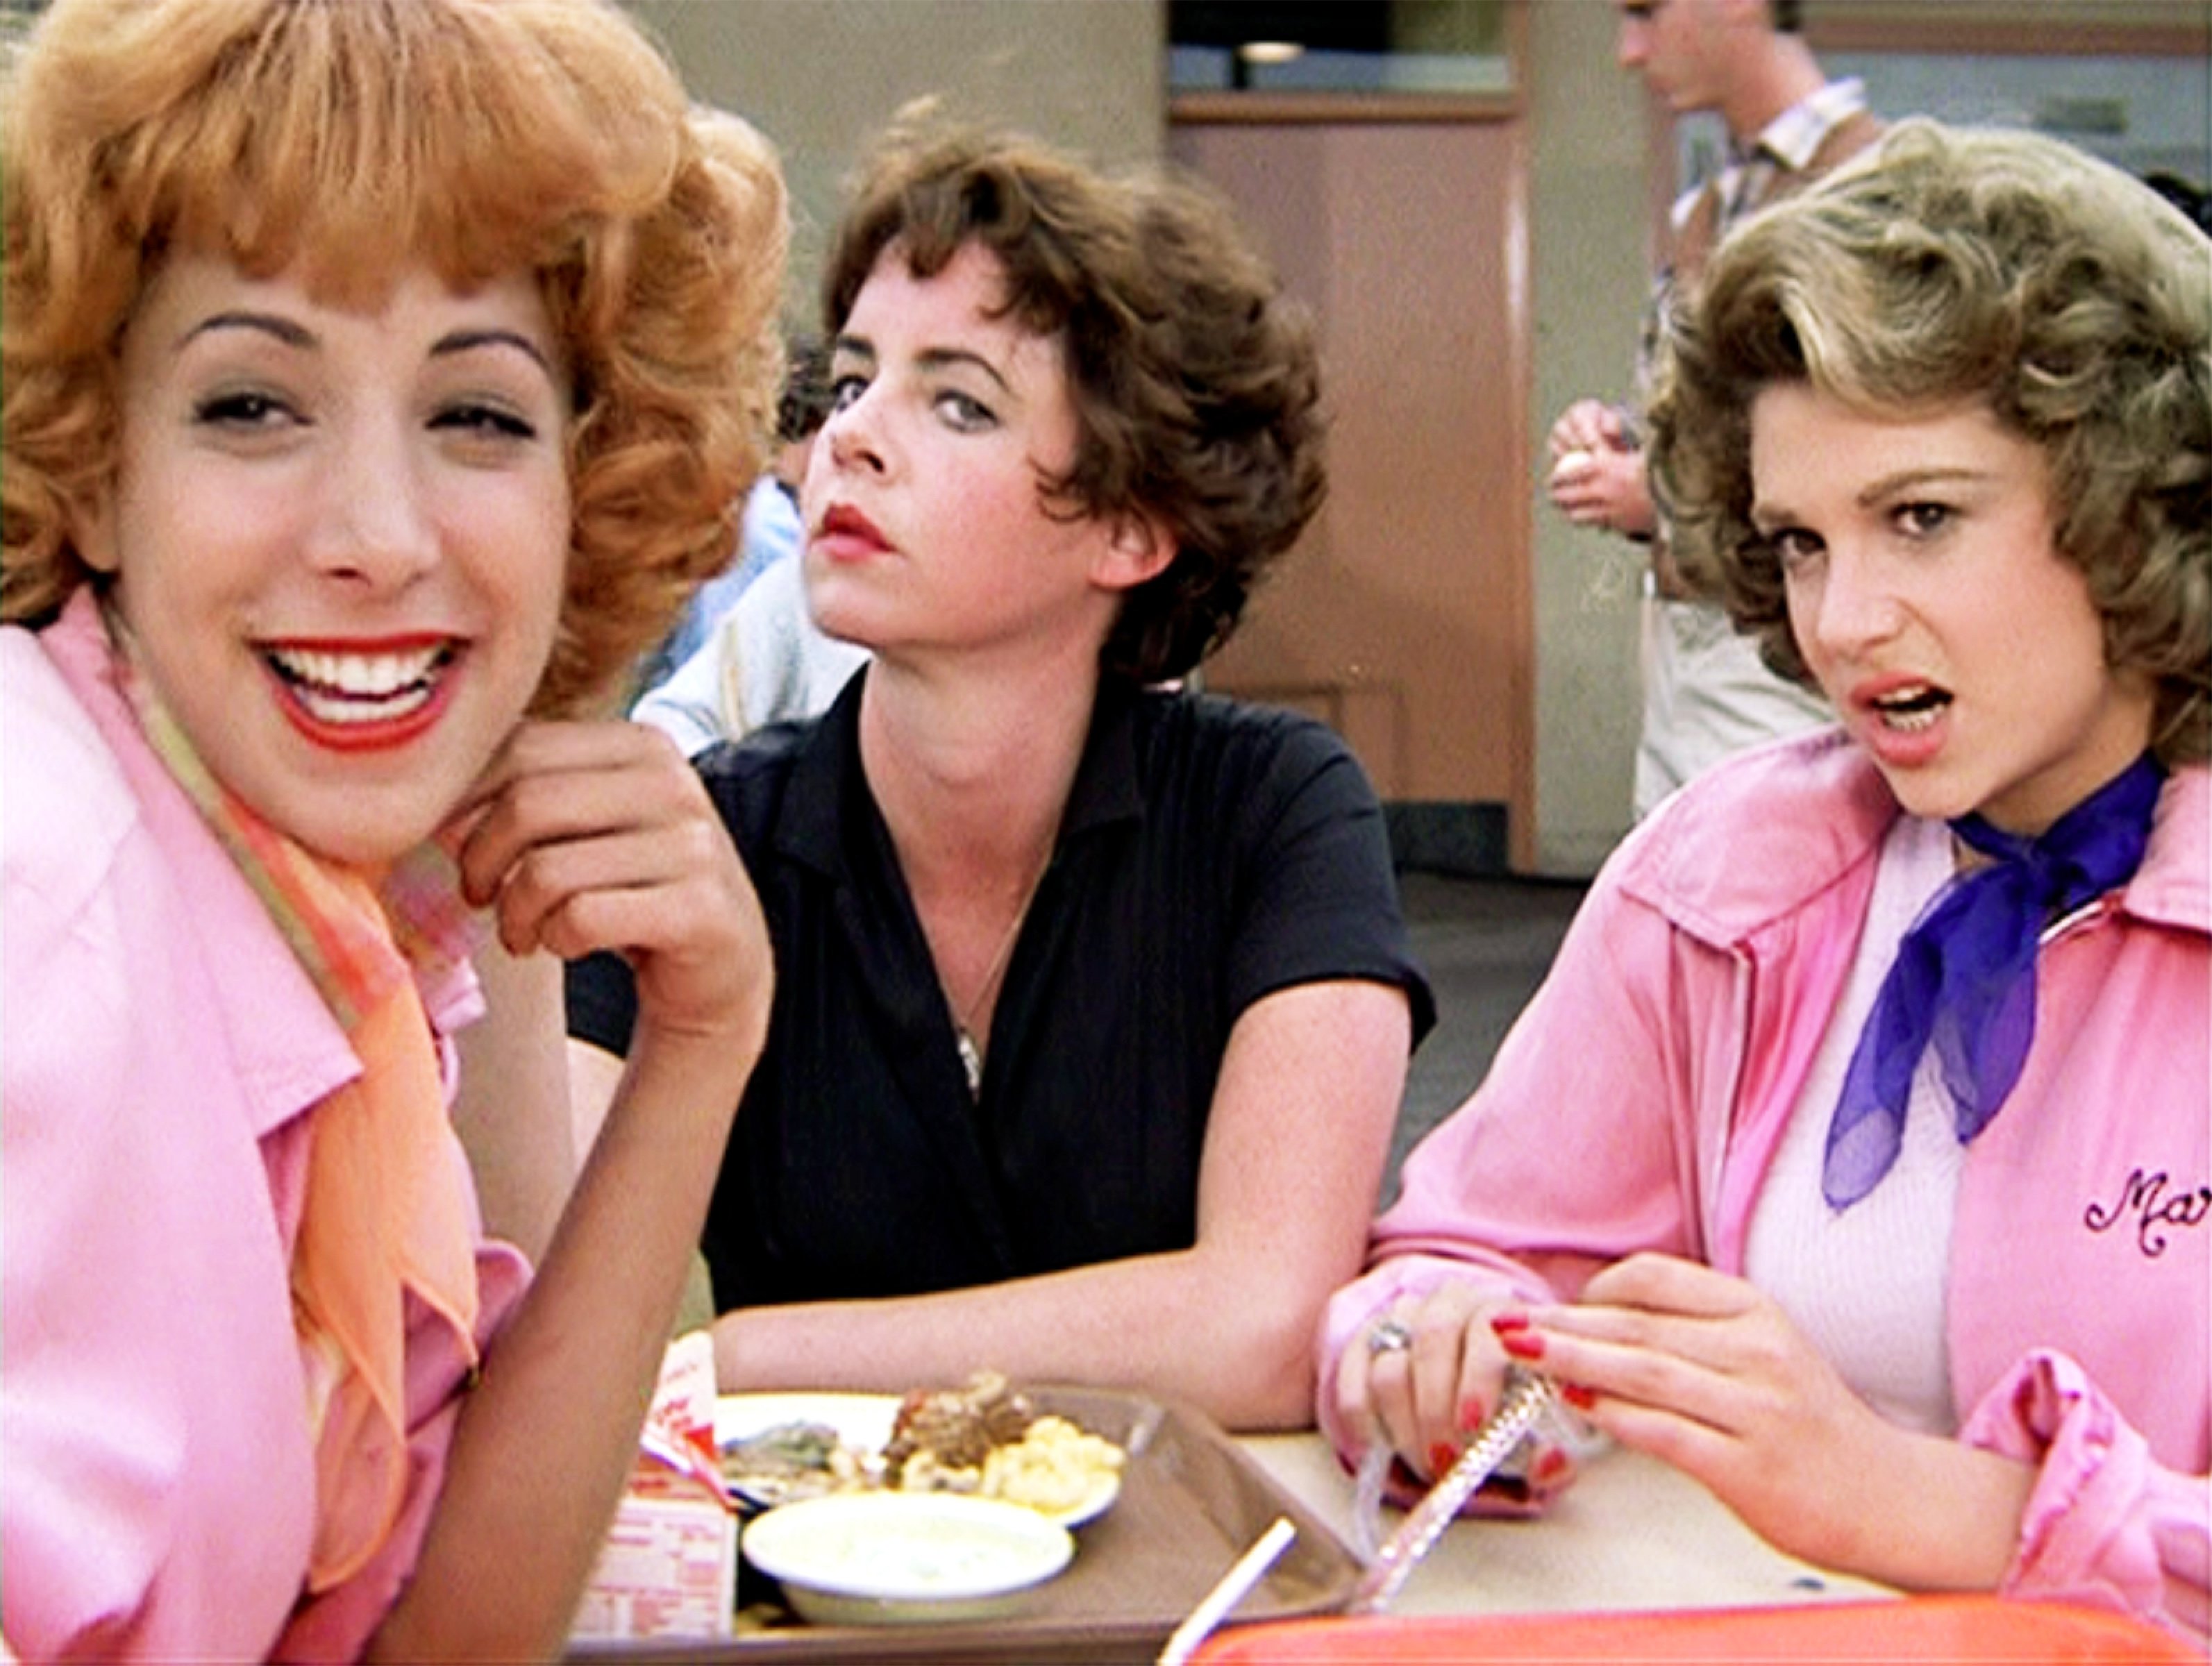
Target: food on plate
{"type": "Point", "coordinates": [957, 1428]}
{"type": "Point", "coordinates": [1054, 1467]}
{"type": "Point", "coordinates": [791, 1461]}
{"type": "Point", "coordinates": [986, 1440]}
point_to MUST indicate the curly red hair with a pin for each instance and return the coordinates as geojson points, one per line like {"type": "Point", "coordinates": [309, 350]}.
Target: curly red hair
{"type": "Point", "coordinates": [477, 136]}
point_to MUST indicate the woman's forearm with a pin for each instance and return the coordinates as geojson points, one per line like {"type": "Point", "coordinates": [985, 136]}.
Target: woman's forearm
{"type": "Point", "coordinates": [548, 1437]}
{"type": "Point", "coordinates": [1221, 1332]}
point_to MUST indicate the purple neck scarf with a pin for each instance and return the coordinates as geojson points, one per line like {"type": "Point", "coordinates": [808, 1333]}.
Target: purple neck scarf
{"type": "Point", "coordinates": [1965, 975]}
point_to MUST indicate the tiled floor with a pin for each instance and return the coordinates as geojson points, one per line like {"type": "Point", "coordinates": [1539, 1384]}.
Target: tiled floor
{"type": "Point", "coordinates": [1486, 943]}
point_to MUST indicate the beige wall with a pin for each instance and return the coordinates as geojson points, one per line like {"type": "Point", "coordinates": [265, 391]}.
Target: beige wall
{"type": "Point", "coordinates": [1588, 261]}
{"type": "Point", "coordinates": [820, 77]}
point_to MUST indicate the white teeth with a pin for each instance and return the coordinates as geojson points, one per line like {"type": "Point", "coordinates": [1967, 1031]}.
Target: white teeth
{"type": "Point", "coordinates": [371, 675]}
{"type": "Point", "coordinates": [360, 688]}
{"type": "Point", "coordinates": [1908, 711]}
{"type": "Point", "coordinates": [327, 708]}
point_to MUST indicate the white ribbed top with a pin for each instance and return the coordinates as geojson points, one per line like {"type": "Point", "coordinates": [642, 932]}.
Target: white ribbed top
{"type": "Point", "coordinates": [1866, 1283]}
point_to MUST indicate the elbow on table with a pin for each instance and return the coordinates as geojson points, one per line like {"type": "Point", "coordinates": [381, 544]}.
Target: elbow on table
{"type": "Point", "coordinates": [1266, 1371]}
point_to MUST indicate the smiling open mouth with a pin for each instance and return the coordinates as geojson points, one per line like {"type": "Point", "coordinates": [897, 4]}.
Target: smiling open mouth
{"type": "Point", "coordinates": [342, 689]}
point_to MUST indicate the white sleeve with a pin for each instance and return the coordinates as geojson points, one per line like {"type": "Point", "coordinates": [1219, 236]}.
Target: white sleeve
{"type": "Point", "coordinates": [686, 705]}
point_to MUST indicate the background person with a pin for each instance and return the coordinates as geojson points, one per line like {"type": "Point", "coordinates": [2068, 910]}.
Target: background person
{"type": "Point", "coordinates": [767, 661]}
{"type": "Point", "coordinates": [1836, 1162]}
{"type": "Point", "coordinates": [1705, 693]}
{"type": "Point", "coordinates": [335, 440]}
{"type": "Point", "coordinates": [769, 529]}
{"type": "Point", "coordinates": [1095, 1002]}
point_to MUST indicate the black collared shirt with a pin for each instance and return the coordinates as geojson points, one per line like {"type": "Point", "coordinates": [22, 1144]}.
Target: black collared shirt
{"type": "Point", "coordinates": [1211, 853]}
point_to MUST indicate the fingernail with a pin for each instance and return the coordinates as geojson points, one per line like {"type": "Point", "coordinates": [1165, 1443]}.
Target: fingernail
{"type": "Point", "coordinates": [1511, 1319]}
{"type": "Point", "coordinates": [1575, 1395]}
{"type": "Point", "coordinates": [1521, 1344]}
{"type": "Point", "coordinates": [1441, 1457]}
{"type": "Point", "coordinates": [1550, 1465]}
{"type": "Point", "coordinates": [1471, 1414]}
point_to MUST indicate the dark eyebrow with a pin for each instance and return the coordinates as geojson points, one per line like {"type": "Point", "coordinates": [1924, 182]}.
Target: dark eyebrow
{"type": "Point", "coordinates": [1907, 480]}
{"type": "Point", "coordinates": [291, 334]}
{"type": "Point", "coordinates": [297, 336]}
{"type": "Point", "coordinates": [467, 341]}
{"type": "Point", "coordinates": [1765, 516]}
{"type": "Point", "coordinates": [944, 358]}
{"type": "Point", "coordinates": [930, 358]}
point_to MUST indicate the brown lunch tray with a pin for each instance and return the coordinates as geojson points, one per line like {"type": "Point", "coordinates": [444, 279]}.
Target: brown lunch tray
{"type": "Point", "coordinates": [1191, 1502]}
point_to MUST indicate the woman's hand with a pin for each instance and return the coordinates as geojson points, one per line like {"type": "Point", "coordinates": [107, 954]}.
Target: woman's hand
{"type": "Point", "coordinates": [1427, 1398]}
{"type": "Point", "coordinates": [1703, 1370]}
{"type": "Point", "coordinates": [583, 837]}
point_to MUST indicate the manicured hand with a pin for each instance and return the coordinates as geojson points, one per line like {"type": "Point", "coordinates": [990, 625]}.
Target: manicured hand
{"type": "Point", "coordinates": [583, 837]}
{"type": "Point", "coordinates": [1705, 1371]}
{"type": "Point", "coordinates": [1430, 1397]}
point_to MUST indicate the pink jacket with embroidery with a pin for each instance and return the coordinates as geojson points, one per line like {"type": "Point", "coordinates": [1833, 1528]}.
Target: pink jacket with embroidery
{"type": "Point", "coordinates": [164, 1052]}
{"type": "Point", "coordinates": [1639, 1101]}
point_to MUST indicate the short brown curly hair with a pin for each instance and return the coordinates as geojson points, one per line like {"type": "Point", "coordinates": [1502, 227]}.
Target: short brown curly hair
{"type": "Point", "coordinates": [1946, 266]}
{"type": "Point", "coordinates": [1196, 381]}
{"type": "Point", "coordinates": [479, 136]}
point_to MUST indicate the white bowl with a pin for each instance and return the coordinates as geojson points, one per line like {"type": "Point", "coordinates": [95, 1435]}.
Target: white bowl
{"type": "Point", "coordinates": [883, 1559]}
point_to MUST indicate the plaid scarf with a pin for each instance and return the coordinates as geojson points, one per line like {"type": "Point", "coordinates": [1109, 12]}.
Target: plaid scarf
{"type": "Point", "coordinates": [386, 1213]}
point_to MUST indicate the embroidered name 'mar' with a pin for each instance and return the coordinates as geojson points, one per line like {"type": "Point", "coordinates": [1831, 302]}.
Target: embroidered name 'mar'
{"type": "Point", "coordinates": [2145, 1198]}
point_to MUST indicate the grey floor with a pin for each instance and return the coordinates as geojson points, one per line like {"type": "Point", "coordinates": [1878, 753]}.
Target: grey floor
{"type": "Point", "coordinates": [1486, 944]}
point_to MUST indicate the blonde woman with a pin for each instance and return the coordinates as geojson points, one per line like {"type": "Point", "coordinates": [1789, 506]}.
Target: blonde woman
{"type": "Point", "coordinates": [1855, 1156]}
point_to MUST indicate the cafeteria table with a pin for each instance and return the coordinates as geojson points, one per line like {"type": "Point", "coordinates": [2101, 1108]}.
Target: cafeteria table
{"type": "Point", "coordinates": [1634, 1563]}
{"type": "Point", "coordinates": [1630, 1532]}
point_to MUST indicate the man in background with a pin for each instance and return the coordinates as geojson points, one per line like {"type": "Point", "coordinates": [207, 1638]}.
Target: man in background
{"type": "Point", "coordinates": [1705, 692]}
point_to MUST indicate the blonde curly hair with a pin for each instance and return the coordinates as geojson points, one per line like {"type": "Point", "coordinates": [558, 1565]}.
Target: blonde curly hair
{"type": "Point", "coordinates": [1950, 264]}
{"type": "Point", "coordinates": [357, 139]}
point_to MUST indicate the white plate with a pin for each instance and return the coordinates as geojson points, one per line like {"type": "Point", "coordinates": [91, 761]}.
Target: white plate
{"type": "Point", "coordinates": [1091, 1506]}
{"type": "Point", "coordinates": [889, 1559]}
{"type": "Point", "coordinates": [862, 1421]}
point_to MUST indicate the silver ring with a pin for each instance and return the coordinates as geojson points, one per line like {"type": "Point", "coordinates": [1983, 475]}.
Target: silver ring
{"type": "Point", "coordinates": [1388, 1336]}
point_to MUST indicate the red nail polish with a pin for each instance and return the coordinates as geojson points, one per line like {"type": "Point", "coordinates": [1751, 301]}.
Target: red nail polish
{"type": "Point", "coordinates": [1511, 1319]}
{"type": "Point", "coordinates": [1521, 1344]}
{"type": "Point", "coordinates": [1551, 1464]}
{"type": "Point", "coordinates": [1441, 1457]}
{"type": "Point", "coordinates": [1471, 1413]}
{"type": "Point", "coordinates": [1575, 1395]}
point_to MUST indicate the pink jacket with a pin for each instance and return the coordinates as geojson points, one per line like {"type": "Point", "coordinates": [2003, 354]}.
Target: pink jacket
{"type": "Point", "coordinates": [163, 1048]}
{"type": "Point", "coordinates": [1639, 1100]}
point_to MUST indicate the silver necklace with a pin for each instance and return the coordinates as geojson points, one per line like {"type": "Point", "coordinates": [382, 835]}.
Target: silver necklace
{"type": "Point", "coordinates": [963, 1023]}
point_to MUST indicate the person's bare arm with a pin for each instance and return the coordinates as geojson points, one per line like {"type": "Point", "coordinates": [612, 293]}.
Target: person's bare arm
{"type": "Point", "coordinates": [512, 1111]}
{"type": "Point", "coordinates": [585, 837]}
{"type": "Point", "coordinates": [1296, 1138]}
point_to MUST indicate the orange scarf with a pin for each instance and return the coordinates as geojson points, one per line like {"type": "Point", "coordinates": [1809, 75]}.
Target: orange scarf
{"type": "Point", "coordinates": [385, 1212]}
